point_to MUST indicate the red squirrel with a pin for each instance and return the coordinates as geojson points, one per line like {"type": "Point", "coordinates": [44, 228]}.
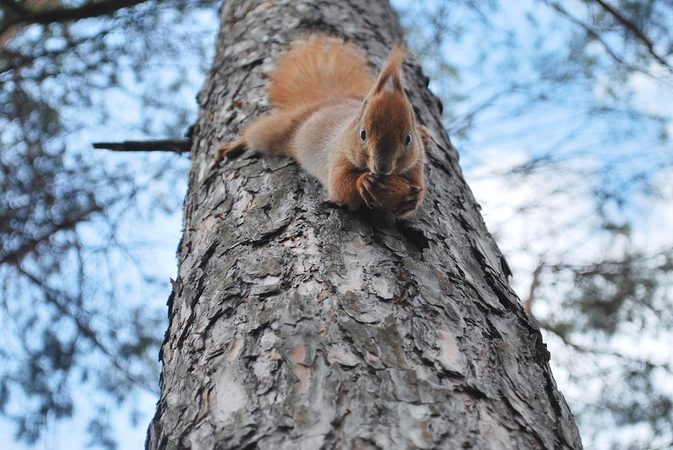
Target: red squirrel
{"type": "Point", "coordinates": [358, 135]}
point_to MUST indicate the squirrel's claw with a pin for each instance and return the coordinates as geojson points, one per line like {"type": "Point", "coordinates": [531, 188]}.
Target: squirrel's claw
{"type": "Point", "coordinates": [367, 186]}
{"type": "Point", "coordinates": [409, 203]}
{"type": "Point", "coordinates": [230, 150]}
{"type": "Point", "coordinates": [392, 193]}
{"type": "Point", "coordinates": [375, 182]}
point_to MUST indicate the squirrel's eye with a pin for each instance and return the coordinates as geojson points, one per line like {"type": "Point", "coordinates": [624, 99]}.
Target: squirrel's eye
{"type": "Point", "coordinates": [363, 134]}
{"type": "Point", "coordinates": [407, 141]}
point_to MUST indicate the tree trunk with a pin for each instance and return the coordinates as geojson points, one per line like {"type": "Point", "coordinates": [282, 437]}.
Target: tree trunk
{"type": "Point", "coordinates": [295, 323]}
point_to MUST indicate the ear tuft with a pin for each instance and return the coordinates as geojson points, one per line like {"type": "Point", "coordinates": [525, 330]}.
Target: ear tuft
{"type": "Point", "coordinates": [392, 70]}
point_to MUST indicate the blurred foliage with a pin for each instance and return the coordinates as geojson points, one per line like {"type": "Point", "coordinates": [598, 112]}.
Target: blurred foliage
{"type": "Point", "coordinates": [562, 113]}
{"type": "Point", "coordinates": [82, 311]}
{"type": "Point", "coordinates": [562, 107]}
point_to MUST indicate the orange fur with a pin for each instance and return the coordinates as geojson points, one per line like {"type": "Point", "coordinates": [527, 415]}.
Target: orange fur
{"type": "Point", "coordinates": [317, 68]}
{"type": "Point", "coordinates": [357, 134]}
{"type": "Point", "coordinates": [392, 70]}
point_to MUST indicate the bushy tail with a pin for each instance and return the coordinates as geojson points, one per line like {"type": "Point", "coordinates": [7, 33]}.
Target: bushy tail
{"type": "Point", "coordinates": [317, 68]}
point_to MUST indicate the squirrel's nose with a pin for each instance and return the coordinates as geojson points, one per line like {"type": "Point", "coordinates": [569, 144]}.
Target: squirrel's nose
{"type": "Point", "coordinates": [383, 168]}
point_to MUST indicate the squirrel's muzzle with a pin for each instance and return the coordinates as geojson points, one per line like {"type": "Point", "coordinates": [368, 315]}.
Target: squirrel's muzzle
{"type": "Point", "coordinates": [383, 167]}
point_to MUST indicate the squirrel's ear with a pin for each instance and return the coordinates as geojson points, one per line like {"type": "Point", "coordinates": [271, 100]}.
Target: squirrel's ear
{"type": "Point", "coordinates": [392, 71]}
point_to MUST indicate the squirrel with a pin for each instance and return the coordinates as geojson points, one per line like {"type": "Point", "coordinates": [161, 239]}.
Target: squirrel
{"type": "Point", "coordinates": [357, 134]}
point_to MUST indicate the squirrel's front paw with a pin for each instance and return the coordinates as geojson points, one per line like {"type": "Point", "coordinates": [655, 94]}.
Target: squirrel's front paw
{"type": "Point", "coordinates": [390, 192]}
{"type": "Point", "coordinates": [231, 150]}
{"type": "Point", "coordinates": [409, 203]}
{"type": "Point", "coordinates": [370, 189]}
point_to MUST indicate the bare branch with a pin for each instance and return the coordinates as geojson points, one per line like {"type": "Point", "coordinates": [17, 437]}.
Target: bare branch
{"type": "Point", "coordinates": [592, 32]}
{"type": "Point", "coordinates": [16, 7]}
{"type": "Point", "coordinates": [168, 145]}
{"type": "Point", "coordinates": [635, 30]}
{"type": "Point", "coordinates": [61, 302]}
{"type": "Point", "coordinates": [23, 15]}
{"type": "Point", "coordinates": [15, 256]}
{"type": "Point", "coordinates": [528, 304]}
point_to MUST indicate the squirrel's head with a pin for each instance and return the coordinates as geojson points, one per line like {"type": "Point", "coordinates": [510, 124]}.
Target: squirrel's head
{"type": "Point", "coordinates": [387, 134]}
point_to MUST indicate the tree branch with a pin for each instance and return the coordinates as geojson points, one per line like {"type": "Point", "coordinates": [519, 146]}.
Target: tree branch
{"type": "Point", "coordinates": [61, 302]}
{"type": "Point", "coordinates": [16, 7]}
{"type": "Point", "coordinates": [635, 30]}
{"type": "Point", "coordinates": [168, 145]}
{"type": "Point", "coordinates": [528, 304]}
{"type": "Point", "coordinates": [23, 15]}
{"type": "Point", "coordinates": [595, 34]}
{"type": "Point", "coordinates": [14, 257]}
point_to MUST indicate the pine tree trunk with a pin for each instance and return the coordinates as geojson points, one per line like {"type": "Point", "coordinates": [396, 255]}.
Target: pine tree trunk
{"type": "Point", "coordinates": [295, 323]}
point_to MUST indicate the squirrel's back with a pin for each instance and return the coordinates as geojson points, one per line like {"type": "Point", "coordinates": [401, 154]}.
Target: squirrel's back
{"type": "Point", "coordinates": [317, 68]}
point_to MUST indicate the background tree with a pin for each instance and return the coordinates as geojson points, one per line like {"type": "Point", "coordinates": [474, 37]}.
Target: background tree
{"type": "Point", "coordinates": [76, 274]}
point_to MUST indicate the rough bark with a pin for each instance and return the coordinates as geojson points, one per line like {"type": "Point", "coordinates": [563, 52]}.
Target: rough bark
{"type": "Point", "coordinates": [295, 323]}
